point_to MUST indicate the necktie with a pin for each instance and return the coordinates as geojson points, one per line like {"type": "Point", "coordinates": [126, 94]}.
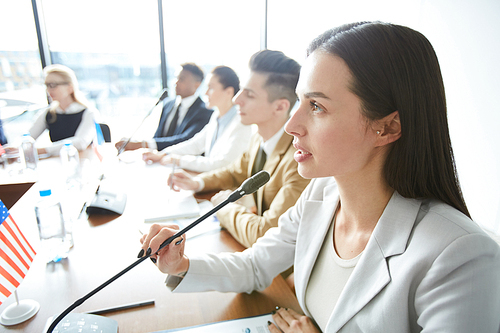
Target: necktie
{"type": "Point", "coordinates": [173, 123]}
{"type": "Point", "coordinates": [260, 160]}
{"type": "Point", "coordinates": [258, 165]}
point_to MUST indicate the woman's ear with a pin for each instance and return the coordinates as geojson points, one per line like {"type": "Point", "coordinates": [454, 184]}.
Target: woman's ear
{"type": "Point", "coordinates": [388, 129]}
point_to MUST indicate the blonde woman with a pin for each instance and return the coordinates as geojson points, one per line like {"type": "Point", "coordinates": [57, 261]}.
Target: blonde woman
{"type": "Point", "coordinates": [69, 117]}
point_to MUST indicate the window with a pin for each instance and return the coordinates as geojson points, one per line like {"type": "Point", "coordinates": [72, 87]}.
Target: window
{"type": "Point", "coordinates": [21, 83]}
{"type": "Point", "coordinates": [113, 47]}
{"type": "Point", "coordinates": [211, 33]}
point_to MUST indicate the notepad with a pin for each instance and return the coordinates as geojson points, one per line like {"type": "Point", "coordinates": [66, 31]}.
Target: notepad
{"type": "Point", "coordinates": [257, 324]}
{"type": "Point", "coordinates": [171, 206]}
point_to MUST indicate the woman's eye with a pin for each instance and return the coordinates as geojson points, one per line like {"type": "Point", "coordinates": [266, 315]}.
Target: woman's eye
{"type": "Point", "coordinates": [315, 107]}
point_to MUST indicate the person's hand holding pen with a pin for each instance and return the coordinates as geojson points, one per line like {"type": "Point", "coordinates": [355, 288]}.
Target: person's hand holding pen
{"type": "Point", "coordinates": [152, 157]}
{"type": "Point", "coordinates": [171, 259]}
{"type": "Point", "coordinates": [181, 180]}
{"type": "Point", "coordinates": [170, 159]}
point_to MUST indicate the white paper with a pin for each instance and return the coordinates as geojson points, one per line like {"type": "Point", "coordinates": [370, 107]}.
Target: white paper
{"type": "Point", "coordinates": [257, 324]}
{"type": "Point", "coordinates": [170, 205]}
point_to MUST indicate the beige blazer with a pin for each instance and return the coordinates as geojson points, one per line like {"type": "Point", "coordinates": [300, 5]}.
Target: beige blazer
{"type": "Point", "coordinates": [273, 199]}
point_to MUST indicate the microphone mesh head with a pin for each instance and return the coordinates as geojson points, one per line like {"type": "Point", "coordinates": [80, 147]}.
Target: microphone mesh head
{"type": "Point", "coordinates": [255, 182]}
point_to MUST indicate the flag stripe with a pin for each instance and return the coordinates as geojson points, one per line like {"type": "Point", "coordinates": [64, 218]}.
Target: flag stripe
{"type": "Point", "coordinates": [13, 249]}
{"type": "Point", "coordinates": [11, 263]}
{"type": "Point", "coordinates": [9, 277]}
{"type": "Point", "coordinates": [21, 246]}
{"type": "Point", "coordinates": [24, 238]}
{"type": "Point", "coordinates": [6, 292]}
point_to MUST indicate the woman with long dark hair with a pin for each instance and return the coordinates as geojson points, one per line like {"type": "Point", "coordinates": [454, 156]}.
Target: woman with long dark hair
{"type": "Point", "coordinates": [381, 240]}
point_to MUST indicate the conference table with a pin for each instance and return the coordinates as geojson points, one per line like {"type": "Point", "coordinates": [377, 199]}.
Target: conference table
{"type": "Point", "coordinates": [106, 244]}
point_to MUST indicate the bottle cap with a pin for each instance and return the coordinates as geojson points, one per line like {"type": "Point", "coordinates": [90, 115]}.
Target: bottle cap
{"type": "Point", "coordinates": [45, 193]}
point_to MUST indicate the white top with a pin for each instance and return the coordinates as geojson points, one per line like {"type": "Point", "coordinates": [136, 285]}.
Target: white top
{"type": "Point", "coordinates": [84, 134]}
{"type": "Point", "coordinates": [229, 145]}
{"type": "Point", "coordinates": [321, 294]}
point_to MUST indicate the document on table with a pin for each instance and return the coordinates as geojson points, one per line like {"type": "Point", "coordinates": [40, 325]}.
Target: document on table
{"type": "Point", "coordinates": [162, 205]}
{"type": "Point", "coordinates": [257, 324]}
{"type": "Point", "coordinates": [170, 206]}
{"type": "Point", "coordinates": [210, 224]}
{"type": "Point", "coordinates": [159, 202]}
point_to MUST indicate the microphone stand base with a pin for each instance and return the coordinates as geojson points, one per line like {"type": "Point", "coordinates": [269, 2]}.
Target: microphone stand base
{"type": "Point", "coordinates": [84, 323]}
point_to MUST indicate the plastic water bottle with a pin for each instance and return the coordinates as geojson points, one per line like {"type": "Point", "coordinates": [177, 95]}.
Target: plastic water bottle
{"type": "Point", "coordinates": [70, 161]}
{"type": "Point", "coordinates": [29, 152]}
{"type": "Point", "coordinates": [50, 220]}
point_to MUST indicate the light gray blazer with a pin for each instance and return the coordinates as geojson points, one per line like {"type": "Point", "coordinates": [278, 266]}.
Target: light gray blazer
{"type": "Point", "coordinates": [426, 267]}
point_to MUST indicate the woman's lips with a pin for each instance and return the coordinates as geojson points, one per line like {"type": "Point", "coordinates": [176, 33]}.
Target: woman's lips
{"type": "Point", "coordinates": [301, 155]}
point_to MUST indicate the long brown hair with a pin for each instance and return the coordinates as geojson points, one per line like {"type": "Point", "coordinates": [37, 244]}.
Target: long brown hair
{"type": "Point", "coordinates": [395, 68]}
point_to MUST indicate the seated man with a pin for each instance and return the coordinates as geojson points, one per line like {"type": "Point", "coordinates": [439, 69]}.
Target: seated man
{"type": "Point", "coordinates": [224, 138]}
{"type": "Point", "coordinates": [181, 118]}
{"type": "Point", "coordinates": [265, 100]}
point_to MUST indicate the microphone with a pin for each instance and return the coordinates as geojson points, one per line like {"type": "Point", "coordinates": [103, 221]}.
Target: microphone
{"type": "Point", "coordinates": [162, 97]}
{"type": "Point", "coordinates": [249, 186]}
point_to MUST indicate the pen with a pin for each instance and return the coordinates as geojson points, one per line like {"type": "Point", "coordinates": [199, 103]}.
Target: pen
{"type": "Point", "coordinates": [173, 171]}
{"type": "Point", "coordinates": [122, 307]}
{"type": "Point", "coordinates": [85, 203]}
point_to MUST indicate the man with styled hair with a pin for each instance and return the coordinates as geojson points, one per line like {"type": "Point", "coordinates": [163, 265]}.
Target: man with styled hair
{"type": "Point", "coordinates": [266, 101]}
{"type": "Point", "coordinates": [181, 118]}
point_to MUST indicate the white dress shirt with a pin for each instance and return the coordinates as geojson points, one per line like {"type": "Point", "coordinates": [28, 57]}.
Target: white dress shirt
{"type": "Point", "coordinates": [231, 142]}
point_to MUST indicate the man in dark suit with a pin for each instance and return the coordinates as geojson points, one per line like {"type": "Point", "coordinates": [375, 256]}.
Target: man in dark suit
{"type": "Point", "coordinates": [181, 118]}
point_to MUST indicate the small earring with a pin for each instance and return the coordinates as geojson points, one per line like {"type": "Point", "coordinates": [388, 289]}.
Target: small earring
{"type": "Point", "coordinates": [378, 132]}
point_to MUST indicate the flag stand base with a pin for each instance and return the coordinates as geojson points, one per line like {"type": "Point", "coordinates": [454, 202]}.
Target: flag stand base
{"type": "Point", "coordinates": [17, 313]}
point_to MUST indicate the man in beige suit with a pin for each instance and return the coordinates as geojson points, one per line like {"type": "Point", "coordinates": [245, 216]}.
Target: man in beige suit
{"type": "Point", "coordinates": [266, 101]}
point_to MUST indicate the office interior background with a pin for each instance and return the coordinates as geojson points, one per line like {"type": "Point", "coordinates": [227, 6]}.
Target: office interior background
{"type": "Point", "coordinates": [125, 52]}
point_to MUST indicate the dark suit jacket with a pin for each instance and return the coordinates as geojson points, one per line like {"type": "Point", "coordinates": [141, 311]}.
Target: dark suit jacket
{"type": "Point", "coordinates": [196, 118]}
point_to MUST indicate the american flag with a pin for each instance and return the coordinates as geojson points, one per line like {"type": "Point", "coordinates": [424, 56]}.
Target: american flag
{"type": "Point", "coordinates": [16, 254]}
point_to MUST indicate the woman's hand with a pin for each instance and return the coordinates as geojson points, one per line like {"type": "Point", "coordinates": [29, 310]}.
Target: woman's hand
{"type": "Point", "coordinates": [182, 180]}
{"type": "Point", "coordinates": [289, 321]}
{"type": "Point", "coordinates": [170, 259]}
